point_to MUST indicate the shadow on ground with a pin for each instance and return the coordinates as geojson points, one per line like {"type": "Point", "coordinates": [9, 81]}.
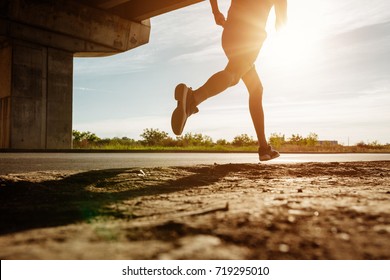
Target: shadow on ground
{"type": "Point", "coordinates": [81, 197]}
{"type": "Point", "coordinates": [231, 211]}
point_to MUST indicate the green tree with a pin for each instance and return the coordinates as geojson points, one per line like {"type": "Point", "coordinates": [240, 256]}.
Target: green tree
{"type": "Point", "coordinates": [207, 141]}
{"type": "Point", "coordinates": [277, 140]}
{"type": "Point", "coordinates": [84, 139]}
{"type": "Point", "coordinates": [153, 137]}
{"type": "Point", "coordinates": [243, 140]}
{"type": "Point", "coordinates": [222, 142]}
{"type": "Point", "coordinates": [79, 136]}
{"type": "Point", "coordinates": [296, 139]}
{"type": "Point", "coordinates": [194, 139]}
{"type": "Point", "coordinates": [311, 139]}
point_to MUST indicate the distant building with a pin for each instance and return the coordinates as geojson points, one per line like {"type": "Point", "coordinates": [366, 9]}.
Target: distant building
{"type": "Point", "coordinates": [327, 142]}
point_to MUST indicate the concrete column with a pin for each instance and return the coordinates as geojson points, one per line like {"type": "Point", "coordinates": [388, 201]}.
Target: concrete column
{"type": "Point", "coordinates": [5, 93]}
{"type": "Point", "coordinates": [59, 100]}
{"type": "Point", "coordinates": [36, 107]}
{"type": "Point", "coordinates": [38, 39]}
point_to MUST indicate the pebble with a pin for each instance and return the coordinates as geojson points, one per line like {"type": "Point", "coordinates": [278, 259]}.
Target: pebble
{"type": "Point", "coordinates": [382, 229]}
{"type": "Point", "coordinates": [291, 219]}
{"type": "Point", "coordinates": [284, 248]}
{"type": "Point", "coordinates": [344, 236]}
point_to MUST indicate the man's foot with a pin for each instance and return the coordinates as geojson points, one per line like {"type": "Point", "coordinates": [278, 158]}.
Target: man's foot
{"type": "Point", "coordinates": [268, 153]}
{"type": "Point", "coordinates": [185, 108]}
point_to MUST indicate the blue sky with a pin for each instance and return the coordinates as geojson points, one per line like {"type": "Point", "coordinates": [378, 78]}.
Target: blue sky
{"type": "Point", "coordinates": [328, 73]}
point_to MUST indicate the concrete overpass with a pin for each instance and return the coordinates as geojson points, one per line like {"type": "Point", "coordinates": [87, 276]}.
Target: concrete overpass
{"type": "Point", "coordinates": [38, 40]}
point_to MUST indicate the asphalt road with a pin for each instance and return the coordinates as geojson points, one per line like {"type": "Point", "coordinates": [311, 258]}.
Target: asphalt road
{"type": "Point", "coordinates": [28, 162]}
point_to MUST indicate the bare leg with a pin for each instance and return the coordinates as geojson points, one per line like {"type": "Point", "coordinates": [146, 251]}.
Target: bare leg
{"type": "Point", "coordinates": [214, 85]}
{"type": "Point", "coordinates": [220, 81]}
{"type": "Point", "coordinates": [255, 89]}
{"type": "Point", "coordinates": [187, 100]}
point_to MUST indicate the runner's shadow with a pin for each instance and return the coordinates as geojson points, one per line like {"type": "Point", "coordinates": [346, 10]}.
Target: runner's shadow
{"type": "Point", "coordinates": [84, 196]}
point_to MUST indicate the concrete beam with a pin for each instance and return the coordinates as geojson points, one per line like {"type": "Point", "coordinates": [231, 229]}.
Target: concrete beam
{"type": "Point", "coordinates": [105, 4]}
{"type": "Point", "coordinates": [108, 4]}
{"type": "Point", "coordinates": [139, 10]}
{"type": "Point", "coordinates": [58, 41]}
{"type": "Point", "coordinates": [73, 27]}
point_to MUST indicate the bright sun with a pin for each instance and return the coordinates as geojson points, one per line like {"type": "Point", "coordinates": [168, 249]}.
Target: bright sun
{"type": "Point", "coordinates": [294, 45]}
{"type": "Point", "coordinates": [289, 48]}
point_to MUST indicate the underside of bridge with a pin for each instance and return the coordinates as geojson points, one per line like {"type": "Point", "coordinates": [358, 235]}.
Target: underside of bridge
{"type": "Point", "coordinates": [38, 40]}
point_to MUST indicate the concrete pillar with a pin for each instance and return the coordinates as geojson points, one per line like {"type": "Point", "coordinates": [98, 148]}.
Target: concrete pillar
{"type": "Point", "coordinates": [36, 105]}
{"type": "Point", "coordinates": [59, 99]}
{"type": "Point", "coordinates": [5, 93]}
{"type": "Point", "coordinates": [38, 39]}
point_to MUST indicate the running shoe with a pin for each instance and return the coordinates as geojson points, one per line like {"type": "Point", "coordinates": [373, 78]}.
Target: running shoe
{"type": "Point", "coordinates": [185, 108]}
{"type": "Point", "coordinates": [267, 153]}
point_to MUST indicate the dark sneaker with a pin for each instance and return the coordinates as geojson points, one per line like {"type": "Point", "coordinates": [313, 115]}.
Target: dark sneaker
{"type": "Point", "coordinates": [185, 108]}
{"type": "Point", "coordinates": [268, 153]}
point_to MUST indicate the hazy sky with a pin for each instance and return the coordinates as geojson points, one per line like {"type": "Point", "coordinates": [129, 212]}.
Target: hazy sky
{"type": "Point", "coordinates": [328, 73]}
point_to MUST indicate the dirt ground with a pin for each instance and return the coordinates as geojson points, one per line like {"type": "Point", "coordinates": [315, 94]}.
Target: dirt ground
{"type": "Point", "coordinates": [231, 211]}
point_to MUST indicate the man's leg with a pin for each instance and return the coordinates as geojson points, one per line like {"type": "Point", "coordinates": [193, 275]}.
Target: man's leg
{"type": "Point", "coordinates": [255, 89]}
{"type": "Point", "coordinates": [187, 99]}
{"type": "Point", "coordinates": [220, 81]}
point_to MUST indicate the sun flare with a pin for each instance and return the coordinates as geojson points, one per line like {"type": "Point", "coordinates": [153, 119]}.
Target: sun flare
{"type": "Point", "coordinates": [289, 48]}
{"type": "Point", "coordinates": [294, 45]}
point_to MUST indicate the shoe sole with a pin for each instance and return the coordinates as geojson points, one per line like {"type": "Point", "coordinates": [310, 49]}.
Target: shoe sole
{"type": "Point", "coordinates": [179, 115]}
{"type": "Point", "coordinates": [268, 157]}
